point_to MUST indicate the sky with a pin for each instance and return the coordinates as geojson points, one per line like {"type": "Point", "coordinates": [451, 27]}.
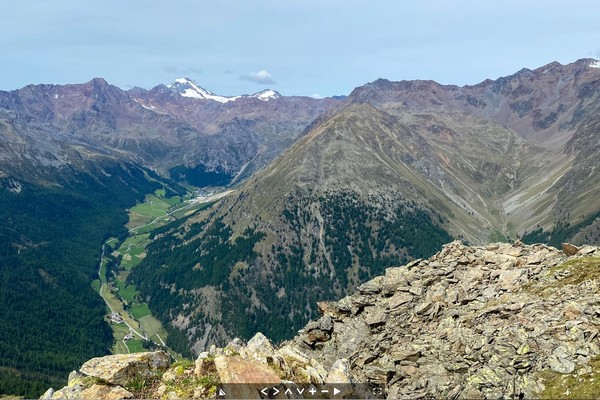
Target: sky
{"type": "Point", "coordinates": [302, 47]}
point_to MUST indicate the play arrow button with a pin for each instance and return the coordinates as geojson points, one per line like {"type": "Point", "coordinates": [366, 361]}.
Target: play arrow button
{"type": "Point", "coordinates": [336, 391]}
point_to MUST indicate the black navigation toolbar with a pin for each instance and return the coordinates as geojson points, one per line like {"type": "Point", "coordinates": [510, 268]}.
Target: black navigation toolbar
{"type": "Point", "coordinates": [290, 390]}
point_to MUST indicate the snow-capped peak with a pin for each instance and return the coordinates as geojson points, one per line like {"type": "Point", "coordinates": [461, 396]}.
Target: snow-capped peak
{"type": "Point", "coordinates": [188, 88]}
{"type": "Point", "coordinates": [595, 64]}
{"type": "Point", "coordinates": [266, 95]}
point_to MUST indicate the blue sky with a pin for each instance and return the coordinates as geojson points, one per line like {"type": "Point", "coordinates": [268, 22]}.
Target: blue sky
{"type": "Point", "coordinates": [302, 47]}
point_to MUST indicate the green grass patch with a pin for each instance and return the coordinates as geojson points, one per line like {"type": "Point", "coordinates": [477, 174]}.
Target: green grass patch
{"type": "Point", "coordinates": [186, 209]}
{"type": "Point", "coordinates": [577, 385]}
{"type": "Point", "coordinates": [580, 270]}
{"type": "Point", "coordinates": [96, 285]}
{"type": "Point", "coordinates": [135, 240]}
{"type": "Point", "coordinates": [137, 251]}
{"type": "Point", "coordinates": [172, 201]}
{"type": "Point", "coordinates": [132, 250]}
{"type": "Point", "coordinates": [135, 346]}
{"type": "Point", "coordinates": [152, 326]}
{"type": "Point", "coordinates": [184, 363]}
{"type": "Point", "coordinates": [152, 207]}
{"type": "Point", "coordinates": [102, 273]}
{"type": "Point", "coordinates": [127, 292]}
{"type": "Point", "coordinates": [497, 236]}
{"type": "Point", "coordinates": [157, 224]}
{"type": "Point", "coordinates": [117, 305]}
{"type": "Point", "coordinates": [576, 271]}
{"type": "Point", "coordinates": [572, 272]}
{"type": "Point", "coordinates": [143, 218]}
{"type": "Point", "coordinates": [139, 310]}
{"type": "Point", "coordinates": [185, 386]}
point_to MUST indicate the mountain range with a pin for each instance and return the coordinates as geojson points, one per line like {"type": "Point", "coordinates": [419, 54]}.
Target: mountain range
{"type": "Point", "coordinates": [327, 193]}
{"type": "Point", "coordinates": [180, 127]}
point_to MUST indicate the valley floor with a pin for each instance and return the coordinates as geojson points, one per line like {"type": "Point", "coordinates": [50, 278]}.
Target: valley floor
{"type": "Point", "coordinates": [134, 327]}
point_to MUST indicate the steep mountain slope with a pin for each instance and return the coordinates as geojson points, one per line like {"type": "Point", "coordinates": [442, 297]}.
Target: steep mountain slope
{"type": "Point", "coordinates": [51, 230]}
{"type": "Point", "coordinates": [362, 191]}
{"type": "Point", "coordinates": [389, 175]}
{"type": "Point", "coordinates": [551, 107]}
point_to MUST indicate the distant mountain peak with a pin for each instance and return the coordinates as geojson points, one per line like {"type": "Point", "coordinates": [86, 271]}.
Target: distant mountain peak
{"type": "Point", "coordinates": [266, 95]}
{"type": "Point", "coordinates": [188, 88]}
{"type": "Point", "coordinates": [594, 64]}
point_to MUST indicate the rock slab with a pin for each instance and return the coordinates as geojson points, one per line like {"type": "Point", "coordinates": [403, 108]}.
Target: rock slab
{"type": "Point", "coordinates": [121, 369]}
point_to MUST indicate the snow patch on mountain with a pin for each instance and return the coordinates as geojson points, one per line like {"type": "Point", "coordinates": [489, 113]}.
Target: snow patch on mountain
{"type": "Point", "coordinates": [595, 64]}
{"type": "Point", "coordinates": [266, 95]}
{"type": "Point", "coordinates": [188, 88]}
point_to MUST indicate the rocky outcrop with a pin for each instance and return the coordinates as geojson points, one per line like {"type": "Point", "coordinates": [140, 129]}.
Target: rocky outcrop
{"type": "Point", "coordinates": [110, 377]}
{"type": "Point", "coordinates": [471, 322]}
{"type": "Point", "coordinates": [123, 368]}
{"type": "Point", "coordinates": [497, 321]}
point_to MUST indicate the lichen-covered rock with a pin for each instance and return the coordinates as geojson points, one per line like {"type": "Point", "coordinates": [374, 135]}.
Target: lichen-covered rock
{"type": "Point", "coordinates": [106, 392]}
{"type": "Point", "coordinates": [234, 347]}
{"type": "Point", "coordinates": [121, 369]}
{"type": "Point", "coordinates": [82, 387]}
{"type": "Point", "coordinates": [470, 322]}
{"type": "Point", "coordinates": [77, 383]}
{"type": "Point", "coordinates": [258, 348]}
{"type": "Point", "coordinates": [234, 369]}
{"type": "Point", "coordinates": [237, 370]}
{"type": "Point", "coordinates": [47, 394]}
{"type": "Point", "coordinates": [339, 372]}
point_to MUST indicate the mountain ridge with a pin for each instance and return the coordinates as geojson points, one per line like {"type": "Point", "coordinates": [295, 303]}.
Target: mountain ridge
{"type": "Point", "coordinates": [160, 128]}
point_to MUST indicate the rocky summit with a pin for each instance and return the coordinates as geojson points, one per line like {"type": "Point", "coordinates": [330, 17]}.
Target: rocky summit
{"type": "Point", "coordinates": [496, 321]}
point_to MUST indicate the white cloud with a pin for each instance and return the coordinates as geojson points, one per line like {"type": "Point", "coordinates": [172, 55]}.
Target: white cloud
{"type": "Point", "coordinates": [316, 96]}
{"type": "Point", "coordinates": [262, 77]}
